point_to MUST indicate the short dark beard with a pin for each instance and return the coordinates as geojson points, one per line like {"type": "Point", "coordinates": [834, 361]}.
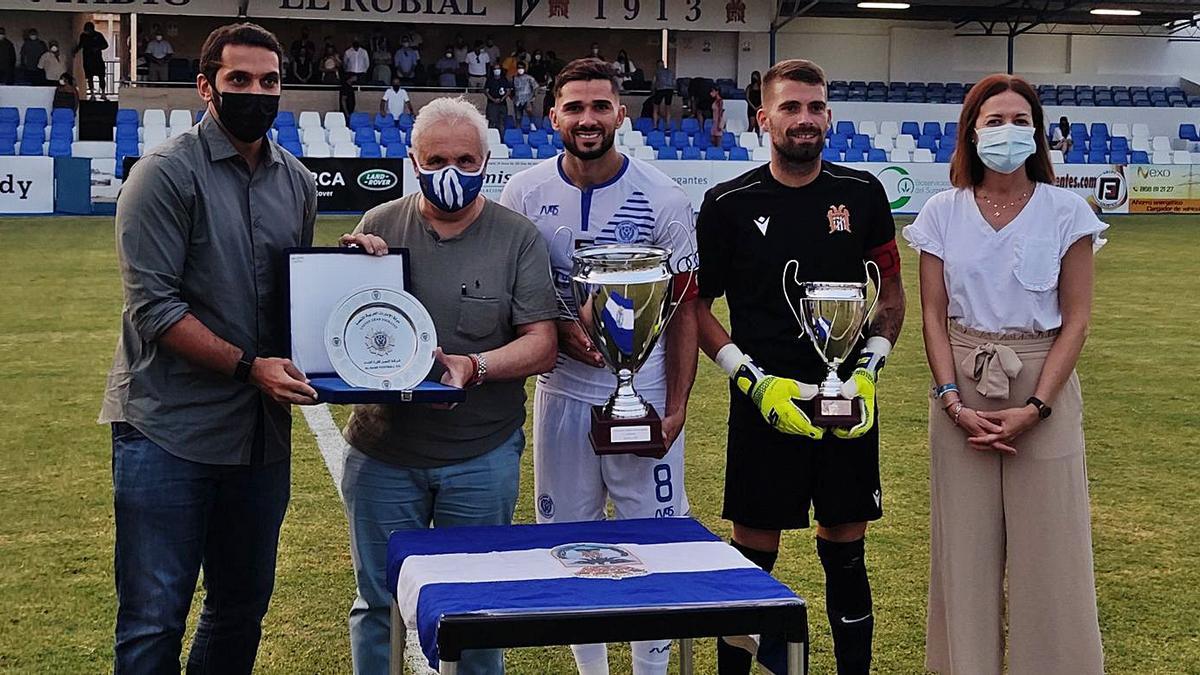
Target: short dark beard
{"type": "Point", "coordinates": [605, 145]}
{"type": "Point", "coordinates": [798, 159]}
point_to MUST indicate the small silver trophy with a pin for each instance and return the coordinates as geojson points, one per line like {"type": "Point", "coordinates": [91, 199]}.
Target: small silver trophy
{"type": "Point", "coordinates": [623, 296]}
{"type": "Point", "coordinates": [832, 314]}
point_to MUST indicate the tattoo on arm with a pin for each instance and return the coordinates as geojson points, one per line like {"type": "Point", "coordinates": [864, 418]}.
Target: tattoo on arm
{"type": "Point", "coordinates": [889, 316]}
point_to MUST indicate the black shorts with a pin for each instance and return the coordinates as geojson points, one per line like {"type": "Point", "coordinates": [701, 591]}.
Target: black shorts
{"type": "Point", "coordinates": [771, 477]}
{"type": "Point", "coordinates": [664, 96]}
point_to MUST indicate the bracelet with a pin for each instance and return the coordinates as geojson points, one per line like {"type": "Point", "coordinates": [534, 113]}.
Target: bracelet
{"type": "Point", "coordinates": [480, 363]}
{"type": "Point", "coordinates": [958, 408]}
{"type": "Point", "coordinates": [943, 389]}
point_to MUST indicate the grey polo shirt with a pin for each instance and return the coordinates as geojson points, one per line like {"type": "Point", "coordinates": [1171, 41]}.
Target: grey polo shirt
{"type": "Point", "coordinates": [478, 287]}
{"type": "Point", "coordinates": [198, 234]}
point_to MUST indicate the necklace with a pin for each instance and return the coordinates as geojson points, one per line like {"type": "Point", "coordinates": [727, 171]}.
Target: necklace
{"type": "Point", "coordinates": [997, 209]}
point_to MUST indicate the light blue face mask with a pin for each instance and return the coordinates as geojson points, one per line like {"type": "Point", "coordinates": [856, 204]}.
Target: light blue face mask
{"type": "Point", "coordinates": [1005, 148]}
{"type": "Point", "coordinates": [449, 188]}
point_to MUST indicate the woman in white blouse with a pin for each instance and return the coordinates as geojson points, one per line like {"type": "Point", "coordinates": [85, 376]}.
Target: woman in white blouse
{"type": "Point", "coordinates": [1006, 291]}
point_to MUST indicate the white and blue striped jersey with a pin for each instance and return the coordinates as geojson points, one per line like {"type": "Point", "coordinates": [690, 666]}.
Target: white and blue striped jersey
{"type": "Point", "coordinates": [639, 205]}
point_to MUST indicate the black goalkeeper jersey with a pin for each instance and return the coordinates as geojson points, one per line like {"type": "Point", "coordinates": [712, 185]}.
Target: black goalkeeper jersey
{"type": "Point", "coordinates": [751, 226]}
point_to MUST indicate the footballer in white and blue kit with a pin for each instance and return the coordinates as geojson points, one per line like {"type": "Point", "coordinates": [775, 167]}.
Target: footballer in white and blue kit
{"type": "Point", "coordinates": [622, 201]}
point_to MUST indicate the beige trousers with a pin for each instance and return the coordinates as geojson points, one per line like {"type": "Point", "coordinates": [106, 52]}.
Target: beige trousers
{"type": "Point", "coordinates": [1027, 514]}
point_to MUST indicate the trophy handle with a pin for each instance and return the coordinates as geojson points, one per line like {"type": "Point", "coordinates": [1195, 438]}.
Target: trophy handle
{"type": "Point", "coordinates": [868, 265]}
{"type": "Point", "coordinates": [691, 273]}
{"type": "Point", "coordinates": [787, 298]}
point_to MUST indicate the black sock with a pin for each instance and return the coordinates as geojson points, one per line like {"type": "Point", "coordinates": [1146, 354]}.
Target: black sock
{"type": "Point", "coordinates": [848, 604]}
{"type": "Point", "coordinates": [735, 660]}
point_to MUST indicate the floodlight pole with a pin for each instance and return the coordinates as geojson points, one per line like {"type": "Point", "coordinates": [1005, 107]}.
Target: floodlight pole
{"type": "Point", "coordinates": [1012, 38]}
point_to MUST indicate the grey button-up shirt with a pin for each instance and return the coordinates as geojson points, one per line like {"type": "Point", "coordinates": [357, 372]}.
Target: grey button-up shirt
{"type": "Point", "coordinates": [198, 233]}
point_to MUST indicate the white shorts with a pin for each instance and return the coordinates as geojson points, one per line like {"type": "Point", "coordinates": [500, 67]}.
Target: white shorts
{"type": "Point", "coordinates": [572, 482]}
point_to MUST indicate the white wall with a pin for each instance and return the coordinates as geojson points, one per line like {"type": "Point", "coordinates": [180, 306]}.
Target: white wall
{"type": "Point", "coordinates": [720, 59]}
{"type": "Point", "coordinates": [878, 50]}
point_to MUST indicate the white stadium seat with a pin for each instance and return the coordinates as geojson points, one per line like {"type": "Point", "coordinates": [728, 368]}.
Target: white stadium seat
{"type": "Point", "coordinates": [737, 117]}
{"type": "Point", "coordinates": [884, 142]}
{"type": "Point", "coordinates": [922, 156]}
{"type": "Point", "coordinates": [889, 129]}
{"type": "Point", "coordinates": [1140, 143]}
{"type": "Point", "coordinates": [1181, 157]}
{"type": "Point", "coordinates": [766, 140]}
{"type": "Point", "coordinates": [1161, 144]}
{"type": "Point", "coordinates": [317, 150]}
{"type": "Point", "coordinates": [498, 151]}
{"type": "Point", "coordinates": [345, 150]}
{"type": "Point", "coordinates": [312, 135]}
{"type": "Point", "coordinates": [761, 155]}
{"type": "Point", "coordinates": [310, 119]}
{"type": "Point", "coordinates": [154, 117]}
{"type": "Point", "coordinates": [868, 127]}
{"type": "Point", "coordinates": [154, 136]}
{"type": "Point", "coordinates": [906, 142]}
{"type": "Point", "coordinates": [1141, 130]}
{"type": "Point", "coordinates": [748, 140]}
{"type": "Point", "coordinates": [493, 137]}
{"type": "Point", "coordinates": [1056, 157]}
{"type": "Point", "coordinates": [340, 135]}
{"type": "Point", "coordinates": [182, 118]}
{"type": "Point", "coordinates": [1120, 129]}
{"type": "Point", "coordinates": [633, 139]}
{"type": "Point", "coordinates": [173, 131]}
{"type": "Point", "coordinates": [900, 156]}
{"type": "Point", "coordinates": [625, 127]}
{"type": "Point", "coordinates": [1195, 157]}
{"type": "Point", "coordinates": [1161, 157]}
{"type": "Point", "coordinates": [628, 152]}
{"type": "Point", "coordinates": [333, 120]}
{"type": "Point", "coordinates": [643, 152]}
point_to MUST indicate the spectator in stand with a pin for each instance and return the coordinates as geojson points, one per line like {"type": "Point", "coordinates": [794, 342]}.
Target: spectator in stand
{"type": "Point", "coordinates": [331, 66]}
{"type": "Point", "coordinates": [718, 114]}
{"type": "Point", "coordinates": [379, 42]}
{"type": "Point", "coordinates": [624, 67]}
{"type": "Point", "coordinates": [754, 99]}
{"type": "Point", "coordinates": [553, 66]}
{"type": "Point", "coordinates": [492, 50]}
{"type": "Point", "coordinates": [664, 92]}
{"type": "Point", "coordinates": [447, 69]}
{"type": "Point", "coordinates": [301, 45]}
{"type": "Point", "coordinates": [699, 101]}
{"type": "Point", "coordinates": [65, 94]}
{"type": "Point", "coordinates": [158, 55]}
{"type": "Point", "coordinates": [498, 91]}
{"type": "Point", "coordinates": [303, 70]}
{"type": "Point", "coordinates": [92, 43]}
{"type": "Point", "coordinates": [537, 68]}
{"type": "Point", "coordinates": [461, 50]}
{"type": "Point", "coordinates": [1060, 136]}
{"type": "Point", "coordinates": [51, 65]}
{"type": "Point", "coordinates": [477, 66]}
{"type": "Point", "coordinates": [8, 58]}
{"type": "Point", "coordinates": [523, 54]}
{"type": "Point", "coordinates": [395, 101]}
{"type": "Point", "coordinates": [31, 52]}
{"type": "Point", "coordinates": [509, 65]}
{"type": "Point", "coordinates": [595, 52]}
{"type": "Point", "coordinates": [356, 61]}
{"type": "Point", "coordinates": [524, 87]}
{"type": "Point", "coordinates": [347, 99]}
{"type": "Point", "coordinates": [381, 62]}
{"type": "Point", "coordinates": [407, 60]}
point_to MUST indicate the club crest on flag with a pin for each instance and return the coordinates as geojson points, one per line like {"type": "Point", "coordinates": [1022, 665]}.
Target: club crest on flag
{"type": "Point", "coordinates": [599, 561]}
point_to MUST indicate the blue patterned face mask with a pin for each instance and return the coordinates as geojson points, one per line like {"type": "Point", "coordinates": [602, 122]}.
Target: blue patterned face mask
{"type": "Point", "coordinates": [449, 188]}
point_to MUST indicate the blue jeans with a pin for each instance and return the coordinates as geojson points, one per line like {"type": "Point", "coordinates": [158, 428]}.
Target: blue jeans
{"type": "Point", "coordinates": [172, 517]}
{"type": "Point", "coordinates": [381, 498]}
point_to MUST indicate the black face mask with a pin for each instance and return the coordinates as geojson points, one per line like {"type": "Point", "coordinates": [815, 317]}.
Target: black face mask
{"type": "Point", "coordinates": [246, 116]}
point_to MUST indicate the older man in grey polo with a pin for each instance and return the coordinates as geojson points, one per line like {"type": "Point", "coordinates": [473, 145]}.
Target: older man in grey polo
{"type": "Point", "coordinates": [483, 273]}
{"type": "Point", "coordinates": [199, 392]}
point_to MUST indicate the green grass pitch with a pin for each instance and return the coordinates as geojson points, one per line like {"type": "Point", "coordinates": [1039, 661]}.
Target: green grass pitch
{"type": "Point", "coordinates": [58, 325]}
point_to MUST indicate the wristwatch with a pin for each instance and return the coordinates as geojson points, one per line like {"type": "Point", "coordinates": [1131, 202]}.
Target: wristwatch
{"type": "Point", "coordinates": [241, 372]}
{"type": "Point", "coordinates": [1043, 409]}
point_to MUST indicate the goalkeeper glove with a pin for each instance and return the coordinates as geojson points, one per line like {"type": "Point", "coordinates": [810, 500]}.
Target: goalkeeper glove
{"type": "Point", "coordinates": [862, 383]}
{"type": "Point", "coordinates": [775, 397]}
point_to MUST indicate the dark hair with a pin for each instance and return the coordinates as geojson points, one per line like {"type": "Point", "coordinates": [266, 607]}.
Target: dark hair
{"type": "Point", "coordinates": [88, 25]}
{"type": "Point", "coordinates": [583, 70]}
{"type": "Point", "coordinates": [797, 70]}
{"type": "Point", "coordinates": [247, 34]}
{"type": "Point", "coordinates": [966, 169]}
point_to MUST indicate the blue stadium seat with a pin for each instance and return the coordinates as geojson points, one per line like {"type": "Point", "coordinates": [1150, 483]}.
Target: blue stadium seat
{"type": "Point", "coordinates": [513, 138]}
{"type": "Point", "coordinates": [690, 152]}
{"type": "Point", "coordinates": [862, 141]}
{"type": "Point", "coordinates": [1119, 157]}
{"type": "Point", "coordinates": [948, 141]}
{"type": "Point", "coordinates": [371, 149]}
{"type": "Point", "coordinates": [359, 119]}
{"type": "Point", "coordinates": [510, 122]}
{"type": "Point", "coordinates": [389, 135]}
{"type": "Point", "coordinates": [1075, 156]}
{"type": "Point", "coordinates": [944, 154]}
{"type": "Point", "coordinates": [1099, 130]}
{"type": "Point", "coordinates": [126, 132]}
{"type": "Point", "coordinates": [644, 125]}
{"type": "Point", "coordinates": [405, 122]}
{"type": "Point", "coordinates": [838, 143]}
{"type": "Point", "coordinates": [8, 147]}
{"type": "Point", "coordinates": [556, 140]}
{"type": "Point", "coordinates": [521, 151]}
{"type": "Point", "coordinates": [200, 115]}
{"type": "Point", "coordinates": [33, 134]}
{"type": "Point", "coordinates": [656, 139]}
{"type": "Point", "coordinates": [364, 135]}
{"type": "Point", "coordinates": [856, 155]}
{"type": "Point", "coordinates": [30, 148]}
{"type": "Point", "coordinates": [690, 126]}
{"type": "Point", "coordinates": [35, 117]}
{"type": "Point", "coordinates": [845, 128]}
{"type": "Point", "coordinates": [708, 125]}
{"type": "Point", "coordinates": [538, 138]}
{"type": "Point", "coordinates": [1139, 157]}
{"type": "Point", "coordinates": [876, 155]}
{"type": "Point", "coordinates": [927, 142]}
{"type": "Point", "coordinates": [911, 129]}
{"type": "Point", "coordinates": [397, 150]}
{"type": "Point", "coordinates": [931, 129]}
{"type": "Point", "coordinates": [1097, 156]}
{"type": "Point", "coordinates": [384, 121]}
{"type": "Point", "coordinates": [1188, 132]}
{"type": "Point", "coordinates": [546, 151]}
{"type": "Point", "coordinates": [666, 152]}
{"type": "Point", "coordinates": [713, 152]}
{"type": "Point", "coordinates": [1118, 143]}
{"type": "Point", "coordinates": [61, 131]}
{"type": "Point", "coordinates": [295, 148]}
{"type": "Point", "coordinates": [831, 155]}
{"type": "Point", "coordinates": [8, 131]}
{"type": "Point", "coordinates": [10, 114]}
{"type": "Point", "coordinates": [60, 147]}
{"type": "Point", "coordinates": [62, 116]}
{"type": "Point", "coordinates": [728, 140]}
{"type": "Point", "coordinates": [679, 140]}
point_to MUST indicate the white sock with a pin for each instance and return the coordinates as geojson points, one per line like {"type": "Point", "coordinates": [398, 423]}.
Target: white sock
{"type": "Point", "coordinates": [591, 659]}
{"type": "Point", "coordinates": [650, 657]}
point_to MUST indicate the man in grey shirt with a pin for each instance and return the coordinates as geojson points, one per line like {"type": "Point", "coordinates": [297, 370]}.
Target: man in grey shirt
{"type": "Point", "coordinates": [483, 273]}
{"type": "Point", "coordinates": [199, 392]}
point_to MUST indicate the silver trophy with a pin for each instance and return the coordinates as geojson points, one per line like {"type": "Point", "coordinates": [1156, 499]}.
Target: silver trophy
{"type": "Point", "coordinates": [832, 314]}
{"type": "Point", "coordinates": [622, 293]}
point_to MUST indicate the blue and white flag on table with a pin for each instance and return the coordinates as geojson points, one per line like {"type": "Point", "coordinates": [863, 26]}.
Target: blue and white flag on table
{"type": "Point", "coordinates": [626, 564]}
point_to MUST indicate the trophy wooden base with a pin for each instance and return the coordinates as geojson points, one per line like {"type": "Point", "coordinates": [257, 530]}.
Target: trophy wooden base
{"type": "Point", "coordinates": [835, 411]}
{"type": "Point", "coordinates": [639, 436]}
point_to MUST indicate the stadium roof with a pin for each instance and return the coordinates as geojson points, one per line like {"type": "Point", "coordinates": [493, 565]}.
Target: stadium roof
{"type": "Point", "coordinates": [1169, 13]}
